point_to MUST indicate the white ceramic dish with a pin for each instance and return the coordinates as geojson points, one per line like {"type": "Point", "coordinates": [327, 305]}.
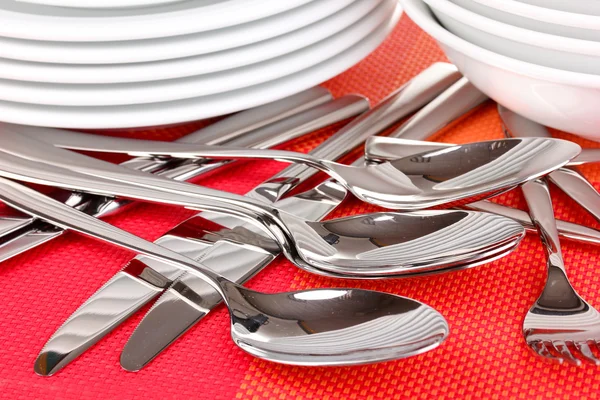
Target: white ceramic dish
{"type": "Point", "coordinates": [100, 4]}
{"type": "Point", "coordinates": [591, 7]}
{"type": "Point", "coordinates": [195, 86]}
{"type": "Point", "coordinates": [561, 99]}
{"type": "Point", "coordinates": [560, 23]}
{"type": "Point", "coordinates": [38, 22]}
{"type": "Point", "coordinates": [187, 66]}
{"type": "Point", "coordinates": [198, 108]}
{"type": "Point", "coordinates": [135, 51]}
{"type": "Point", "coordinates": [523, 44]}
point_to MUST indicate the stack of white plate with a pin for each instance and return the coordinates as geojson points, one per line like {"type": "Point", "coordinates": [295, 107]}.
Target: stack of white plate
{"type": "Point", "coordinates": [540, 58]}
{"type": "Point", "coordinates": [131, 63]}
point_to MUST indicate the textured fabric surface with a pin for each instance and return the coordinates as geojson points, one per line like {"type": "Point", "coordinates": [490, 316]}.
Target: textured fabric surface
{"type": "Point", "coordinates": [484, 357]}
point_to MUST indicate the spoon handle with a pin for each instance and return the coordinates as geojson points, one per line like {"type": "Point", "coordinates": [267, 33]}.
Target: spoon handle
{"type": "Point", "coordinates": [41, 206]}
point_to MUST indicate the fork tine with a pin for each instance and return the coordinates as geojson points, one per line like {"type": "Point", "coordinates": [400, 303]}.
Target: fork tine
{"type": "Point", "coordinates": [586, 353]}
{"type": "Point", "coordinates": [541, 350]}
{"type": "Point", "coordinates": [564, 350]}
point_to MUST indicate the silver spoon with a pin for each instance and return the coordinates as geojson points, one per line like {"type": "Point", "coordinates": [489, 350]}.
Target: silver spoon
{"type": "Point", "coordinates": [372, 183]}
{"type": "Point", "coordinates": [307, 327]}
{"type": "Point", "coordinates": [382, 149]}
{"type": "Point", "coordinates": [378, 243]}
{"type": "Point", "coordinates": [461, 173]}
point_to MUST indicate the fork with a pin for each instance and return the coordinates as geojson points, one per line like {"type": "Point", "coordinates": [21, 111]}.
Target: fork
{"type": "Point", "coordinates": [560, 326]}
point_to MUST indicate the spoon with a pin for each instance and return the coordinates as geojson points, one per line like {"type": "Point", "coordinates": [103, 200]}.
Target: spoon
{"type": "Point", "coordinates": [382, 149]}
{"type": "Point", "coordinates": [372, 183]}
{"type": "Point", "coordinates": [459, 174]}
{"type": "Point", "coordinates": [378, 243]}
{"type": "Point", "coordinates": [306, 327]}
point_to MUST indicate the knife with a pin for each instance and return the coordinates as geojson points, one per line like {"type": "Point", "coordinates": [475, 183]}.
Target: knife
{"type": "Point", "coordinates": [179, 308]}
{"type": "Point", "coordinates": [137, 284]}
{"type": "Point", "coordinates": [568, 179]}
{"type": "Point", "coordinates": [33, 232]}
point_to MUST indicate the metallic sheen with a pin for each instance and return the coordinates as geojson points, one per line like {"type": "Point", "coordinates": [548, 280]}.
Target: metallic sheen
{"type": "Point", "coordinates": [560, 325]}
{"type": "Point", "coordinates": [307, 327]}
{"type": "Point", "coordinates": [463, 173]}
{"type": "Point", "coordinates": [458, 174]}
{"type": "Point", "coordinates": [392, 150]}
{"type": "Point", "coordinates": [158, 329]}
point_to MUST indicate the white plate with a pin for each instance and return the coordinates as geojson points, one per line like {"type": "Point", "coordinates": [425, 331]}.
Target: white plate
{"type": "Point", "coordinates": [560, 99]}
{"type": "Point", "coordinates": [38, 22]}
{"type": "Point", "coordinates": [523, 44]}
{"type": "Point", "coordinates": [196, 86]}
{"type": "Point", "coordinates": [173, 47]}
{"type": "Point", "coordinates": [188, 66]}
{"type": "Point", "coordinates": [197, 108]}
{"type": "Point", "coordinates": [99, 4]}
{"type": "Point", "coordinates": [591, 7]}
{"type": "Point", "coordinates": [578, 26]}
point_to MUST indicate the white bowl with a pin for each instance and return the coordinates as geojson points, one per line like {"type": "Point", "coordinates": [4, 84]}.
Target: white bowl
{"type": "Point", "coordinates": [591, 7]}
{"type": "Point", "coordinates": [101, 4]}
{"type": "Point", "coordinates": [523, 44]}
{"type": "Point", "coordinates": [560, 99]}
{"type": "Point", "coordinates": [561, 23]}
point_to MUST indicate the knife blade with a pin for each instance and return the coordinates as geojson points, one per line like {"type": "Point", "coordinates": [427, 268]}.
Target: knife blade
{"type": "Point", "coordinates": [179, 307]}
{"type": "Point", "coordinates": [142, 283]}
{"type": "Point", "coordinates": [32, 234]}
{"type": "Point", "coordinates": [569, 179]}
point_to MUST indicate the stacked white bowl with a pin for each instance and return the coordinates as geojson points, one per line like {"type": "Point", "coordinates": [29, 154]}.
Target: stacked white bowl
{"type": "Point", "coordinates": [540, 58]}
{"type": "Point", "coordinates": [132, 63]}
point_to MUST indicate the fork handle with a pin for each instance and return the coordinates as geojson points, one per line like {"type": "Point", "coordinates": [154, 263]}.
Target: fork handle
{"type": "Point", "coordinates": [541, 212]}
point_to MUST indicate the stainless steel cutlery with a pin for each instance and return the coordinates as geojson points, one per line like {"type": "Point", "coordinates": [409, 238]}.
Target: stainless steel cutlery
{"type": "Point", "coordinates": [386, 149]}
{"type": "Point", "coordinates": [192, 238]}
{"type": "Point", "coordinates": [26, 233]}
{"type": "Point", "coordinates": [306, 327]}
{"type": "Point", "coordinates": [177, 309]}
{"type": "Point", "coordinates": [560, 325]}
{"type": "Point", "coordinates": [261, 127]}
{"type": "Point", "coordinates": [206, 258]}
{"type": "Point", "coordinates": [405, 184]}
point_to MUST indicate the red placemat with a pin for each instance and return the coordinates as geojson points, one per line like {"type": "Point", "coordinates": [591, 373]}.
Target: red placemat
{"type": "Point", "coordinates": [485, 356]}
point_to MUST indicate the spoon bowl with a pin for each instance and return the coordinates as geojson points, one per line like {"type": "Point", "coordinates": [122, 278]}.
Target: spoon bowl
{"type": "Point", "coordinates": [461, 174]}
{"type": "Point", "coordinates": [332, 326]}
{"type": "Point", "coordinates": [393, 244]}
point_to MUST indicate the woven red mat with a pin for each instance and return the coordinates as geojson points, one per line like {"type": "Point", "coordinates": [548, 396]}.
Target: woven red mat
{"type": "Point", "coordinates": [484, 357]}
